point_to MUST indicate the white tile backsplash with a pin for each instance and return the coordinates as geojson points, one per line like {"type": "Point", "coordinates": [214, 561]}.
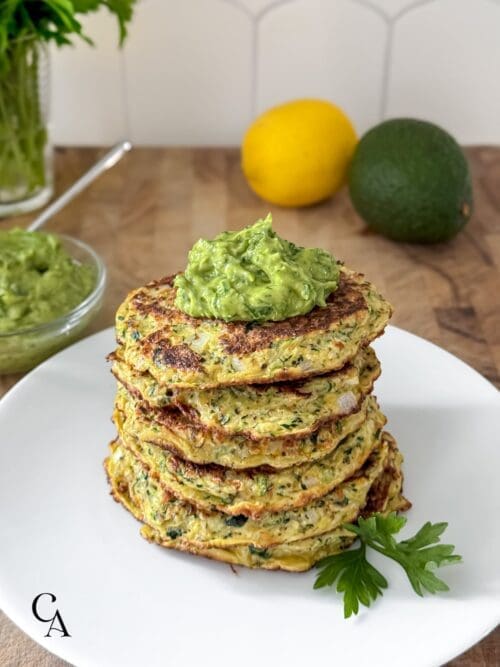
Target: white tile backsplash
{"type": "Point", "coordinates": [87, 104]}
{"type": "Point", "coordinates": [445, 67]}
{"type": "Point", "coordinates": [256, 7]}
{"type": "Point", "coordinates": [195, 72]}
{"type": "Point", "coordinates": [320, 48]}
{"type": "Point", "coordinates": [392, 8]}
{"type": "Point", "coordinates": [188, 67]}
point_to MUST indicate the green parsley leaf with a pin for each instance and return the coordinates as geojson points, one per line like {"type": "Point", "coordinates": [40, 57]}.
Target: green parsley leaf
{"type": "Point", "coordinates": [419, 556]}
{"type": "Point", "coordinates": [357, 578]}
{"type": "Point", "coordinates": [53, 20]}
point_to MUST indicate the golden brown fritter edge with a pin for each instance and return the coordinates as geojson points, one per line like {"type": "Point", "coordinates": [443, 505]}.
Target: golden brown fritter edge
{"type": "Point", "coordinates": [387, 497]}
{"type": "Point", "coordinates": [242, 339]}
{"type": "Point", "coordinates": [186, 419]}
{"type": "Point", "coordinates": [216, 473]}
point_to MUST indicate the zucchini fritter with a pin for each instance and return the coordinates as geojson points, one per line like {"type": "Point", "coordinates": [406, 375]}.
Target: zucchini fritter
{"type": "Point", "coordinates": [296, 554]}
{"type": "Point", "coordinates": [173, 431]}
{"type": "Point", "coordinates": [182, 351]}
{"type": "Point", "coordinates": [211, 529]}
{"type": "Point", "coordinates": [257, 491]}
{"type": "Point", "coordinates": [277, 410]}
{"type": "Point", "coordinates": [252, 443]}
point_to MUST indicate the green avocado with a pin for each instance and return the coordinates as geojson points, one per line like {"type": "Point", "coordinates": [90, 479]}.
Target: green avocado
{"type": "Point", "coordinates": [409, 180]}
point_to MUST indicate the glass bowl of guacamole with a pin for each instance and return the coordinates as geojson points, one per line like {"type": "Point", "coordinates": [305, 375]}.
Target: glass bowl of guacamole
{"type": "Point", "coordinates": [51, 287]}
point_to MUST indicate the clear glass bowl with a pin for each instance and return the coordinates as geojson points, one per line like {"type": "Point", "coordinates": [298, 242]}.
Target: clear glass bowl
{"type": "Point", "coordinates": [24, 349]}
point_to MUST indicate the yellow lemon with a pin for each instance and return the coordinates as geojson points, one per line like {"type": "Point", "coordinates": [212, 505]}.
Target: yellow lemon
{"type": "Point", "coordinates": [298, 153]}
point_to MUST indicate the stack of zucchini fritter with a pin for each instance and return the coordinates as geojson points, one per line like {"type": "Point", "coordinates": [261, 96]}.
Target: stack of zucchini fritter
{"type": "Point", "coordinates": [252, 443]}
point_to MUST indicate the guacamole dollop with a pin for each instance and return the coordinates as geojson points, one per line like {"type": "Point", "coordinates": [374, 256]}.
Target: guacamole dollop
{"type": "Point", "coordinates": [39, 281]}
{"type": "Point", "coordinates": [254, 275]}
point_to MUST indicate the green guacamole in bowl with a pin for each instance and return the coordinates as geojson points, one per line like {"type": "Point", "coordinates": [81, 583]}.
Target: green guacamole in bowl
{"type": "Point", "coordinates": [50, 288]}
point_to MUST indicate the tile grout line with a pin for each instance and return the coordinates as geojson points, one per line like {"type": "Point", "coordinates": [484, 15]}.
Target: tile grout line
{"type": "Point", "coordinates": [388, 52]}
{"type": "Point", "coordinates": [409, 9]}
{"type": "Point", "coordinates": [124, 94]}
{"type": "Point", "coordinates": [254, 66]}
{"type": "Point", "coordinates": [386, 67]}
{"type": "Point", "coordinates": [363, 3]}
{"type": "Point", "coordinates": [374, 8]}
{"type": "Point", "coordinates": [255, 22]}
{"type": "Point", "coordinates": [277, 4]}
{"type": "Point", "coordinates": [240, 7]}
{"type": "Point", "coordinates": [253, 52]}
{"type": "Point", "coordinates": [255, 19]}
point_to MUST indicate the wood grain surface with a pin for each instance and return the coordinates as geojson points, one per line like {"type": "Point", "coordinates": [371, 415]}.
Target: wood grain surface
{"type": "Point", "coordinates": [144, 215]}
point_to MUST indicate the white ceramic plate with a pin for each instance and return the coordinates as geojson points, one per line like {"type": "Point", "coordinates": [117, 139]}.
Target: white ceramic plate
{"type": "Point", "coordinates": [127, 602]}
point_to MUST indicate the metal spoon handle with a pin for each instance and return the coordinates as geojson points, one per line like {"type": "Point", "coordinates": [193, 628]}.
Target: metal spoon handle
{"type": "Point", "coordinates": [105, 163]}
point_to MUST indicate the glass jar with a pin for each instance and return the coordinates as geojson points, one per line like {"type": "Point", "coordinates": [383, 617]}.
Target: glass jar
{"type": "Point", "coordinates": [26, 176]}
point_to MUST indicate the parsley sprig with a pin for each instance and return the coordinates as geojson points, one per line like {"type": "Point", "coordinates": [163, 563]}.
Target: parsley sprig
{"type": "Point", "coordinates": [24, 26]}
{"type": "Point", "coordinates": [54, 20]}
{"type": "Point", "coordinates": [419, 556]}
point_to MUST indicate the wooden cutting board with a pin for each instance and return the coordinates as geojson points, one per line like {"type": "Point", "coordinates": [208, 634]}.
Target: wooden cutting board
{"type": "Point", "coordinates": [144, 215]}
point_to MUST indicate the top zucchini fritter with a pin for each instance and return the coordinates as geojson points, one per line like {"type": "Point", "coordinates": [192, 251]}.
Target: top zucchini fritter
{"type": "Point", "coordinates": [195, 352]}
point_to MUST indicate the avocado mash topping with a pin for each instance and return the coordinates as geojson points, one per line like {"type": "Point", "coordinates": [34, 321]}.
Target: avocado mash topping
{"type": "Point", "coordinates": [39, 281]}
{"type": "Point", "coordinates": [254, 275]}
